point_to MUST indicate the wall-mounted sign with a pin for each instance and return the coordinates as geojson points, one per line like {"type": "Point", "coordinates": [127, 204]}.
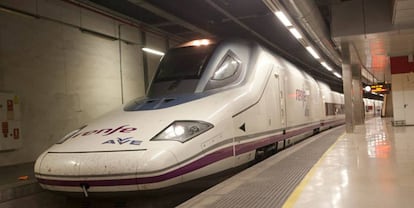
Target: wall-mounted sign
{"type": "Point", "coordinates": [381, 88]}
{"type": "Point", "coordinates": [10, 135]}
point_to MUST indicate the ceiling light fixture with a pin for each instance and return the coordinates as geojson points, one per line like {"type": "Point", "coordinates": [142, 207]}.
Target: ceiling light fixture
{"type": "Point", "coordinates": [303, 40]}
{"type": "Point", "coordinates": [282, 17]}
{"type": "Point", "coordinates": [201, 42]}
{"type": "Point", "coordinates": [295, 33]}
{"type": "Point", "coordinates": [337, 75]}
{"type": "Point", "coordinates": [324, 64]}
{"type": "Point", "coordinates": [313, 52]}
{"type": "Point", "coordinates": [152, 51]}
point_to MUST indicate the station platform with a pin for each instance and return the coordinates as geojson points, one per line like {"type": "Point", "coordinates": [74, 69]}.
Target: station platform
{"type": "Point", "coordinates": [17, 181]}
{"type": "Point", "coordinates": [372, 167]}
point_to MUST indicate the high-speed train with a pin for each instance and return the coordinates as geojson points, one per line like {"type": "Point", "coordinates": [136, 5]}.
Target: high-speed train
{"type": "Point", "coordinates": [372, 107]}
{"type": "Point", "coordinates": [211, 106]}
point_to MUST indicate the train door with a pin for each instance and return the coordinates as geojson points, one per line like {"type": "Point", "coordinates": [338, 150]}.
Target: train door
{"type": "Point", "coordinates": [280, 95]}
{"type": "Point", "coordinates": [280, 105]}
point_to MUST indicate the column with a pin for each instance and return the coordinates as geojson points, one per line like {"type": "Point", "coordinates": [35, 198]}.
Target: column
{"type": "Point", "coordinates": [357, 95]}
{"type": "Point", "coordinates": [347, 85]}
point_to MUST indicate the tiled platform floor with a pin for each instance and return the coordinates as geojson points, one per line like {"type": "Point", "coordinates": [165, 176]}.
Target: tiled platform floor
{"type": "Point", "coordinates": [372, 167]}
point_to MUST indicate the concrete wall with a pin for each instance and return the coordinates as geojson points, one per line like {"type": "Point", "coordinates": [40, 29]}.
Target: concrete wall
{"type": "Point", "coordinates": [63, 76]}
{"type": "Point", "coordinates": [357, 17]}
{"type": "Point", "coordinates": [403, 98]}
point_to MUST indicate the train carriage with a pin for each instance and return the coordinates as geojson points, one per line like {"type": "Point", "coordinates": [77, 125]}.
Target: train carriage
{"type": "Point", "coordinates": [211, 106]}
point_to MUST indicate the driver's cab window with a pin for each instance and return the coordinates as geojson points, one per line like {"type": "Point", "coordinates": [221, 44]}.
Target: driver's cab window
{"type": "Point", "coordinates": [227, 68]}
{"type": "Point", "coordinates": [227, 71]}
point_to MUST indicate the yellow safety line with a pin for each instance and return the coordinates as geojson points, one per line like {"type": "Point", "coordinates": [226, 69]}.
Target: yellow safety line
{"type": "Point", "coordinates": [293, 198]}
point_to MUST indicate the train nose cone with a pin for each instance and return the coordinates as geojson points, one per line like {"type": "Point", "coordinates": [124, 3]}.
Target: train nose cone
{"type": "Point", "coordinates": [105, 171]}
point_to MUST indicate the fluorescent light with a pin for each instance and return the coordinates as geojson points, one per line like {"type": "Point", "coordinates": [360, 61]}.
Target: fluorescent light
{"type": "Point", "coordinates": [312, 52]}
{"type": "Point", "coordinates": [282, 17]}
{"type": "Point", "coordinates": [201, 42]}
{"type": "Point", "coordinates": [295, 33]}
{"type": "Point", "coordinates": [149, 50]}
{"type": "Point", "coordinates": [324, 64]}
{"type": "Point", "coordinates": [205, 42]}
{"type": "Point", "coordinates": [337, 74]}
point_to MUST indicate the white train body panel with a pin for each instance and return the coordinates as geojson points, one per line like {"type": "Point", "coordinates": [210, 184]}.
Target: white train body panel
{"type": "Point", "coordinates": [257, 100]}
{"type": "Point", "coordinates": [372, 107]}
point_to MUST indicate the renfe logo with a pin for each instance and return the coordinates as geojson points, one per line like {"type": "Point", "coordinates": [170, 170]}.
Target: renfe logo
{"type": "Point", "coordinates": [121, 141]}
{"type": "Point", "coordinates": [106, 132]}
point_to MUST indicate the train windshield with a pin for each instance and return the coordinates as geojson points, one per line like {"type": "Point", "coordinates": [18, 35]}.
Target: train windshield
{"type": "Point", "coordinates": [183, 63]}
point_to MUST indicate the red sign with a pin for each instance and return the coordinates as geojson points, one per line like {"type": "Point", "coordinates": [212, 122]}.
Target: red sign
{"type": "Point", "coordinates": [9, 105]}
{"type": "Point", "coordinates": [16, 133]}
{"type": "Point", "coordinates": [5, 129]}
{"type": "Point", "coordinates": [401, 64]}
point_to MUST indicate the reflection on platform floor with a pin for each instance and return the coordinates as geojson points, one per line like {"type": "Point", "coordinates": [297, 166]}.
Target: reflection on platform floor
{"type": "Point", "coordinates": [372, 167]}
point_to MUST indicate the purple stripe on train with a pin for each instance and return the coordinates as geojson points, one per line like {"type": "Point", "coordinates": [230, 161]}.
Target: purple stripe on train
{"type": "Point", "coordinates": [195, 165]}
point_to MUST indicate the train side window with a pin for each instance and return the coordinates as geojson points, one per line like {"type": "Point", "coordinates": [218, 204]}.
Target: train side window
{"type": "Point", "coordinates": [227, 68]}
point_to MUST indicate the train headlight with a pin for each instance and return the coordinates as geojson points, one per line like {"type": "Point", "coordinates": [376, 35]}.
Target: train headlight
{"type": "Point", "coordinates": [183, 131]}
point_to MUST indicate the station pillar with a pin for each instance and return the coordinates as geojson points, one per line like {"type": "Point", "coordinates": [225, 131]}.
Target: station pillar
{"type": "Point", "coordinates": [357, 95]}
{"type": "Point", "coordinates": [347, 85]}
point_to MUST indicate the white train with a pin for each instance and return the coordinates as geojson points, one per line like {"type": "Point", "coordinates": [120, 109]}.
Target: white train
{"type": "Point", "coordinates": [372, 107]}
{"type": "Point", "coordinates": [211, 106]}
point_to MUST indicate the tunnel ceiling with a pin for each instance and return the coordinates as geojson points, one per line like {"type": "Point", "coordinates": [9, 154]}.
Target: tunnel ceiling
{"type": "Point", "coordinates": [250, 19]}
